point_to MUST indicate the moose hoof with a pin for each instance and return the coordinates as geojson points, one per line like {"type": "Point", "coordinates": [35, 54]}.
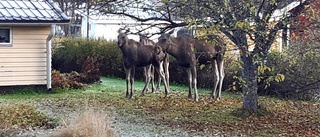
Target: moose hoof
{"type": "Point", "coordinates": [130, 95]}
{"type": "Point", "coordinates": [190, 96]}
{"type": "Point", "coordinates": [165, 95]}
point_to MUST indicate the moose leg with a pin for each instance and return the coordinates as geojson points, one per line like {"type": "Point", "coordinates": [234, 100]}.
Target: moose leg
{"type": "Point", "coordinates": [166, 70]}
{"type": "Point", "coordinates": [190, 82]}
{"type": "Point", "coordinates": [221, 74]}
{"type": "Point", "coordinates": [194, 83]}
{"type": "Point", "coordinates": [161, 74]}
{"type": "Point", "coordinates": [159, 79]}
{"type": "Point", "coordinates": [159, 83]}
{"type": "Point", "coordinates": [152, 78]}
{"type": "Point", "coordinates": [128, 73]}
{"type": "Point", "coordinates": [216, 79]}
{"type": "Point", "coordinates": [147, 70]}
{"type": "Point", "coordinates": [145, 73]}
{"type": "Point", "coordinates": [132, 82]}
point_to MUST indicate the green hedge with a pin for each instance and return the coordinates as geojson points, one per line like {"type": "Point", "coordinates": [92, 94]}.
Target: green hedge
{"type": "Point", "coordinates": [69, 54]}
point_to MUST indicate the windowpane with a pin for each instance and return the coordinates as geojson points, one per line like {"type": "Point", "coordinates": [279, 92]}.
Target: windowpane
{"type": "Point", "coordinates": [4, 35]}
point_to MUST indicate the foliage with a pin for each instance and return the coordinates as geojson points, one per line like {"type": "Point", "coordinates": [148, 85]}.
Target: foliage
{"type": "Point", "coordinates": [66, 81]}
{"type": "Point", "coordinates": [301, 71]}
{"type": "Point", "coordinates": [109, 59]}
{"type": "Point", "coordinates": [74, 80]}
{"type": "Point", "coordinates": [23, 116]}
{"type": "Point", "coordinates": [90, 71]}
{"type": "Point", "coordinates": [70, 54]}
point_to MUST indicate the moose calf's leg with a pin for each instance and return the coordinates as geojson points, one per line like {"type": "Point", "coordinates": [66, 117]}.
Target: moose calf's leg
{"type": "Point", "coordinates": [128, 71]}
{"type": "Point", "coordinates": [147, 70]}
{"type": "Point", "coordinates": [190, 82]}
{"type": "Point", "coordinates": [159, 83]}
{"type": "Point", "coordinates": [194, 83]}
{"type": "Point", "coordinates": [161, 74]}
{"type": "Point", "coordinates": [221, 74]}
{"type": "Point", "coordinates": [166, 70]}
{"type": "Point", "coordinates": [216, 79]}
{"type": "Point", "coordinates": [159, 79]}
{"type": "Point", "coordinates": [145, 73]}
{"type": "Point", "coordinates": [152, 78]}
{"type": "Point", "coordinates": [132, 82]}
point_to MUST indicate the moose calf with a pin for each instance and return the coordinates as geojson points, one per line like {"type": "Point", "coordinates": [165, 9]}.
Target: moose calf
{"type": "Point", "coordinates": [136, 55]}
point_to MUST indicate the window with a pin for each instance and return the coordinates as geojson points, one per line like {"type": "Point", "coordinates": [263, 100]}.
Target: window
{"type": "Point", "coordinates": [185, 31]}
{"type": "Point", "coordinates": [5, 37]}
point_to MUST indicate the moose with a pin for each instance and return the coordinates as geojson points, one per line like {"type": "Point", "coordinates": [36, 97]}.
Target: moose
{"type": "Point", "coordinates": [144, 40]}
{"type": "Point", "coordinates": [135, 55]}
{"type": "Point", "coordinates": [188, 51]}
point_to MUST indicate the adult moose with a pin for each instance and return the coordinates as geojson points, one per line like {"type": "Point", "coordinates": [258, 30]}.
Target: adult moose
{"type": "Point", "coordinates": [212, 52]}
{"type": "Point", "coordinates": [182, 48]}
{"type": "Point", "coordinates": [187, 51]}
{"type": "Point", "coordinates": [135, 55]}
{"type": "Point", "coordinates": [144, 40]}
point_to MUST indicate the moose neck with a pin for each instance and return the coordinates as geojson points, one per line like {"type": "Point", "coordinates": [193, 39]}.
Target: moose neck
{"type": "Point", "coordinates": [129, 48]}
{"type": "Point", "coordinates": [173, 47]}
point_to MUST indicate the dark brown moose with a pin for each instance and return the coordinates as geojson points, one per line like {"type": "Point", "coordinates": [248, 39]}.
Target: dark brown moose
{"type": "Point", "coordinates": [188, 51]}
{"type": "Point", "coordinates": [135, 55]}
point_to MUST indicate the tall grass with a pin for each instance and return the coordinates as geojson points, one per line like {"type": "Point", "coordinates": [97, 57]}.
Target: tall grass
{"type": "Point", "coordinates": [90, 123]}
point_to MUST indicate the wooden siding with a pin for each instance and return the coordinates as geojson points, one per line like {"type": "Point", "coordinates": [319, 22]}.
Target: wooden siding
{"type": "Point", "coordinates": [24, 63]}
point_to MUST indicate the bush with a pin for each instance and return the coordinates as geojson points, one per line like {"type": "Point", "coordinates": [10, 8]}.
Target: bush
{"type": "Point", "coordinates": [90, 71]}
{"type": "Point", "coordinates": [22, 116]}
{"type": "Point", "coordinates": [301, 70]}
{"type": "Point", "coordinates": [70, 54]}
{"type": "Point", "coordinates": [66, 80]}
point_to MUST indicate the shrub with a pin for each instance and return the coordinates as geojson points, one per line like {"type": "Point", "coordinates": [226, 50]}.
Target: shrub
{"type": "Point", "coordinates": [70, 54]}
{"type": "Point", "coordinates": [66, 80]}
{"type": "Point", "coordinates": [90, 71]}
{"type": "Point", "coordinates": [22, 116]}
{"type": "Point", "coordinates": [301, 70]}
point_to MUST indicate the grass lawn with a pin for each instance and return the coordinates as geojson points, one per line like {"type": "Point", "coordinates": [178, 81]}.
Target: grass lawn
{"type": "Point", "coordinates": [275, 118]}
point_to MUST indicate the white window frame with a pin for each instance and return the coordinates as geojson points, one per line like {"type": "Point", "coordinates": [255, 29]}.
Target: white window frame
{"type": "Point", "coordinates": [7, 44]}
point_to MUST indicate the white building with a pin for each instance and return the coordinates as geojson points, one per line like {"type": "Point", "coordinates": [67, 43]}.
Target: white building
{"type": "Point", "coordinates": [106, 26]}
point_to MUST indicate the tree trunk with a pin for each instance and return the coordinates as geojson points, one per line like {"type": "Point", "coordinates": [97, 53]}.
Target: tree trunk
{"type": "Point", "coordinates": [250, 88]}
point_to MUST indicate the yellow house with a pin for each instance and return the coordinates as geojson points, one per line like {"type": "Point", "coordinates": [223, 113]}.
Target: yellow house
{"type": "Point", "coordinates": [26, 30]}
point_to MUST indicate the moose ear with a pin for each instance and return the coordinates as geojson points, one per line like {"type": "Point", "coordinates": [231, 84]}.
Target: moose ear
{"type": "Point", "coordinates": [119, 30]}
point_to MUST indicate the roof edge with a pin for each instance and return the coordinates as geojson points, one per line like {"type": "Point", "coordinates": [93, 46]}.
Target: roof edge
{"type": "Point", "coordinates": [57, 8]}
